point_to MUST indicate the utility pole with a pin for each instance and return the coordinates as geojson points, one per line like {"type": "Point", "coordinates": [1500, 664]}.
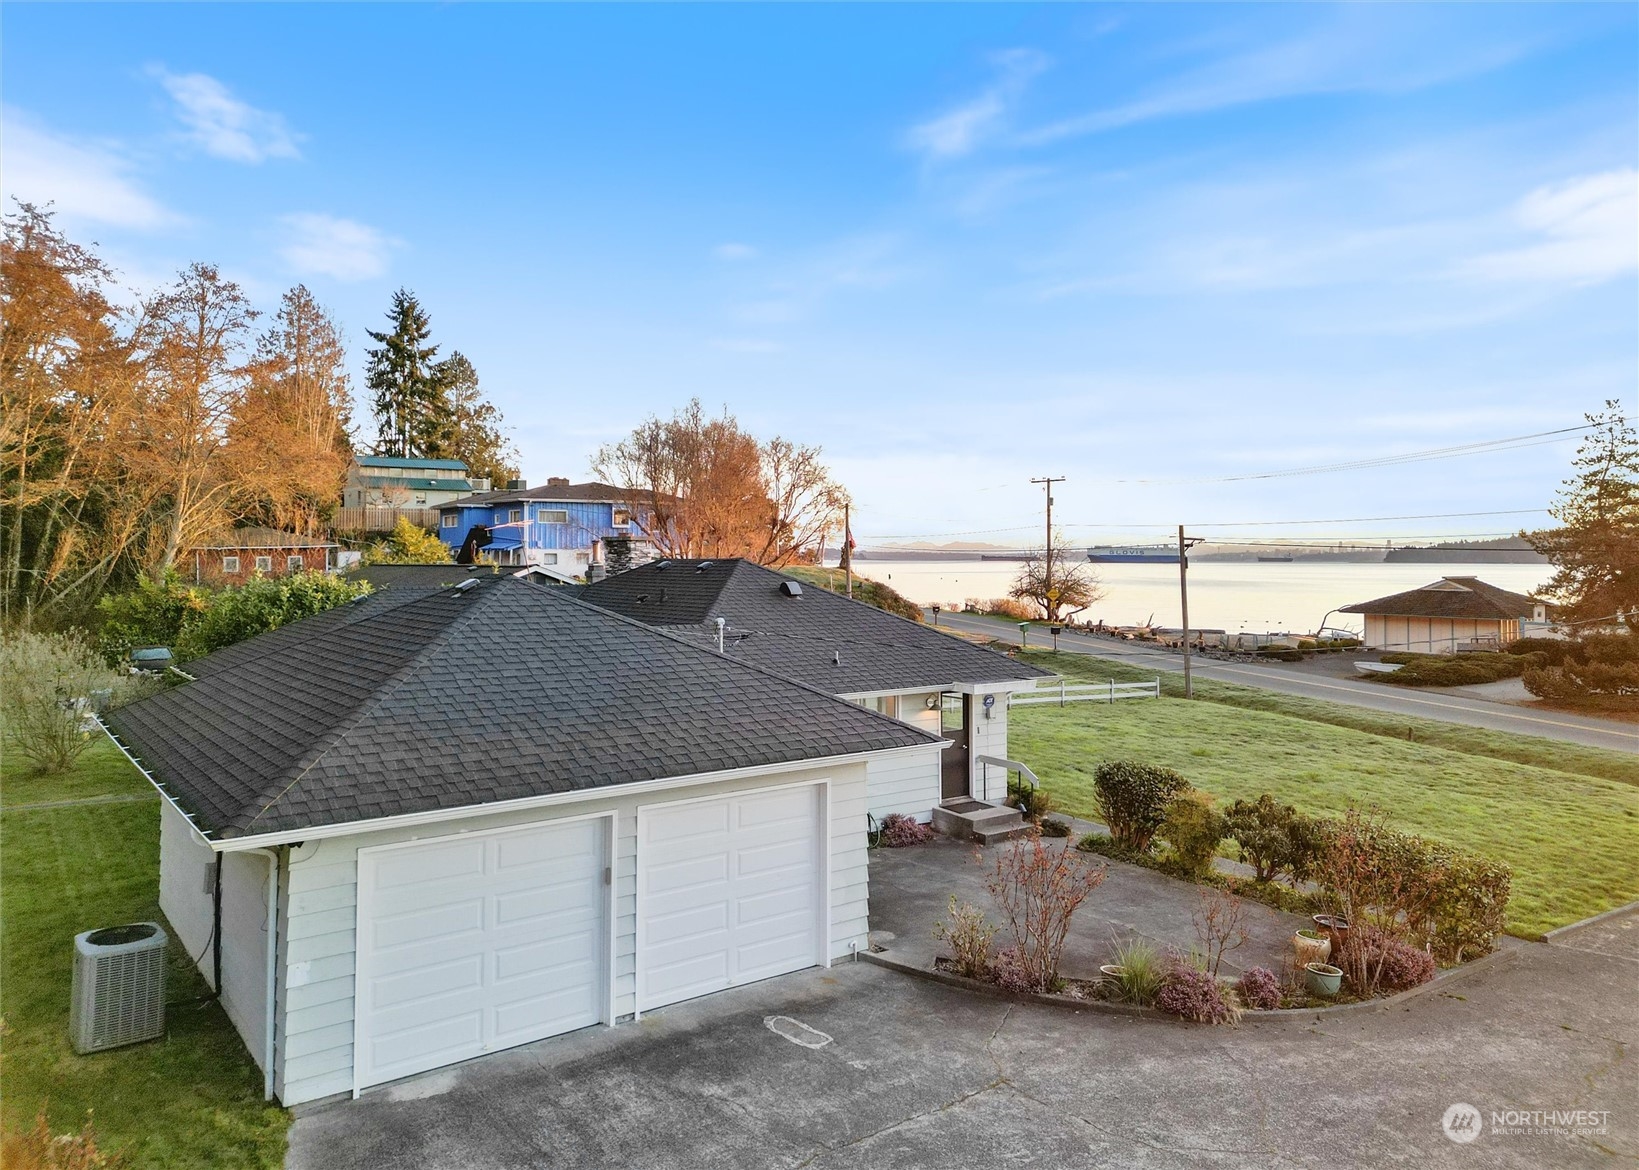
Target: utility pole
{"type": "Point", "coordinates": [1184, 545]}
{"type": "Point", "coordinates": [1047, 565]}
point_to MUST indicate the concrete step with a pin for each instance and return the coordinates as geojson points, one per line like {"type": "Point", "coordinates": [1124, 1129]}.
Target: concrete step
{"type": "Point", "coordinates": [974, 820]}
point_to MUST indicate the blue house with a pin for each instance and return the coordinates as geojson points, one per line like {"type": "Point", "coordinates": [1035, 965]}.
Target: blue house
{"type": "Point", "coordinates": [560, 526]}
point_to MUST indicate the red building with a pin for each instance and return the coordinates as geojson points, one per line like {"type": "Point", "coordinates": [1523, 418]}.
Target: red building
{"type": "Point", "coordinates": [235, 556]}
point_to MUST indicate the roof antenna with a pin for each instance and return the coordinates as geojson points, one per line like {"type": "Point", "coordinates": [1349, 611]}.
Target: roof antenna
{"type": "Point", "coordinates": [721, 622]}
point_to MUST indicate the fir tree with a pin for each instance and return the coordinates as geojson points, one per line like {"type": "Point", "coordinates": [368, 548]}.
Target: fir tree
{"type": "Point", "coordinates": [1595, 550]}
{"type": "Point", "coordinates": [410, 397]}
{"type": "Point", "coordinates": [478, 434]}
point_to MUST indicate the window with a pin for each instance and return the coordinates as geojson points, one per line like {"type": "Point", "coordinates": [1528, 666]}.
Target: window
{"type": "Point", "coordinates": [515, 515]}
{"type": "Point", "coordinates": [230, 564]}
{"type": "Point", "coordinates": [293, 564]}
{"type": "Point", "coordinates": [582, 558]}
{"type": "Point", "coordinates": [264, 564]}
{"type": "Point", "coordinates": [549, 558]}
{"type": "Point", "coordinates": [421, 497]}
{"type": "Point", "coordinates": [622, 518]}
{"type": "Point", "coordinates": [450, 519]}
{"type": "Point", "coordinates": [552, 516]}
{"type": "Point", "coordinates": [883, 705]}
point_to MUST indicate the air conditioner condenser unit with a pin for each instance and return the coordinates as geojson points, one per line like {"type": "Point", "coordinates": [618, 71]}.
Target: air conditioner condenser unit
{"type": "Point", "coordinates": [118, 986]}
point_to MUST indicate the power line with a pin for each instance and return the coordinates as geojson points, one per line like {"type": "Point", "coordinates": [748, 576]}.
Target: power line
{"type": "Point", "coordinates": [1514, 442]}
{"type": "Point", "coordinates": [1162, 526]}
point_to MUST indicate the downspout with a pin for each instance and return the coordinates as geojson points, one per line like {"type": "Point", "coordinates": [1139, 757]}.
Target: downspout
{"type": "Point", "coordinates": [272, 989]}
{"type": "Point", "coordinates": [216, 929]}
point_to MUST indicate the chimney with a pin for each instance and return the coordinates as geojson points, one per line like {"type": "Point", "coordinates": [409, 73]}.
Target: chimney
{"type": "Point", "coordinates": [556, 481]}
{"type": "Point", "coordinates": [516, 485]}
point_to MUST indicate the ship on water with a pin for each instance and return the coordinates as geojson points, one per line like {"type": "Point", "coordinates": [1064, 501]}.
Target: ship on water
{"type": "Point", "coordinates": [1133, 554]}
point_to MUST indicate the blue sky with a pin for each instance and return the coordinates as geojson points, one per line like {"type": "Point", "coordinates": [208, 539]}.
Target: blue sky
{"type": "Point", "coordinates": [1149, 248]}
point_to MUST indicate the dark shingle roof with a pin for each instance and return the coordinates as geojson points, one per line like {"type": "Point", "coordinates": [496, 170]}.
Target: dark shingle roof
{"type": "Point", "coordinates": [422, 576]}
{"type": "Point", "coordinates": [549, 493]}
{"type": "Point", "coordinates": [1451, 597]}
{"type": "Point", "coordinates": [455, 698]}
{"type": "Point", "coordinates": [255, 537]}
{"type": "Point", "coordinates": [820, 638]}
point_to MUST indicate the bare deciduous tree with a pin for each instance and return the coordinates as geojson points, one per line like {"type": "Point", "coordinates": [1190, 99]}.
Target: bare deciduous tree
{"type": "Point", "coordinates": [1061, 586]}
{"type": "Point", "coordinates": [704, 487]}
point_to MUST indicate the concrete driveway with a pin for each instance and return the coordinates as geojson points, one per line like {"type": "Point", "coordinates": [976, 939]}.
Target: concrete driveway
{"type": "Point", "coordinates": [860, 1066]}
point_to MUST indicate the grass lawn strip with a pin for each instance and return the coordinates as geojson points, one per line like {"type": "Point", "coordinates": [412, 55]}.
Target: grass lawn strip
{"type": "Point", "coordinates": [1553, 754]}
{"type": "Point", "coordinates": [193, 1098]}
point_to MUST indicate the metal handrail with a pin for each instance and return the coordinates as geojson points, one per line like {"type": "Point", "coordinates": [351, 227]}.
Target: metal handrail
{"type": "Point", "coordinates": [1010, 765]}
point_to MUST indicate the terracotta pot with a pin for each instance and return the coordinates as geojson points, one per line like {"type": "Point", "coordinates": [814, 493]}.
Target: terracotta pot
{"type": "Point", "coordinates": [1336, 928]}
{"type": "Point", "coordinates": [1312, 946]}
{"type": "Point", "coordinates": [1323, 979]}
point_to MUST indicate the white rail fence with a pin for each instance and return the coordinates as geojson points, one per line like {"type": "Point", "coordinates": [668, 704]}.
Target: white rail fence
{"type": "Point", "coordinates": [1109, 692]}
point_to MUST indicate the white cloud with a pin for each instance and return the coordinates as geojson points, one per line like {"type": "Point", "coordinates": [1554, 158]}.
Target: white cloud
{"type": "Point", "coordinates": [1358, 52]}
{"type": "Point", "coordinates": [224, 126]}
{"type": "Point", "coordinates": [329, 246]}
{"type": "Point", "coordinates": [733, 251]}
{"type": "Point", "coordinates": [82, 180]}
{"type": "Point", "coordinates": [960, 130]}
{"type": "Point", "coordinates": [1586, 230]}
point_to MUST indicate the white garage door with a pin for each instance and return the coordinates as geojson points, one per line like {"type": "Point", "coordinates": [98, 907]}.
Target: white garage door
{"type": "Point", "coordinates": [476, 943]}
{"type": "Point", "coordinates": [729, 891]}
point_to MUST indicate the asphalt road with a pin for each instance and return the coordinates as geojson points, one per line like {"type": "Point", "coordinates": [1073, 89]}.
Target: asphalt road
{"type": "Point", "coordinates": [1581, 729]}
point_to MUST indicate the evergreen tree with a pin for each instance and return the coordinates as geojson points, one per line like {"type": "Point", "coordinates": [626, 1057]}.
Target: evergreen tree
{"type": "Point", "coordinates": [479, 436]}
{"type": "Point", "coordinates": [410, 399]}
{"type": "Point", "coordinates": [1595, 550]}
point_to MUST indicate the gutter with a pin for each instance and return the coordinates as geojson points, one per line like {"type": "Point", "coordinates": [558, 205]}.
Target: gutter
{"type": "Point", "coordinates": [548, 800]}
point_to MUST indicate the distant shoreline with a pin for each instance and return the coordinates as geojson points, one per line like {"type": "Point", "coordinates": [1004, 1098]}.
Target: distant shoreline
{"type": "Point", "coordinates": [1357, 556]}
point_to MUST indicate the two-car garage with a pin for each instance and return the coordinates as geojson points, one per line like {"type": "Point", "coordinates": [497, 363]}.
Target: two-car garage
{"type": "Point", "coordinates": [481, 941]}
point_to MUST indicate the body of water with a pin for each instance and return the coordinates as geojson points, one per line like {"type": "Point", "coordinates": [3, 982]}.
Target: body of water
{"type": "Point", "coordinates": [1229, 596]}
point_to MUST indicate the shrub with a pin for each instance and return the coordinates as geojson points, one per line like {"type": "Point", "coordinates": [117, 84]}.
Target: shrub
{"type": "Point", "coordinates": [1465, 901]}
{"type": "Point", "coordinates": [1273, 838]}
{"type": "Point", "coordinates": [1007, 607]}
{"type": "Point", "coordinates": [408, 544]}
{"type": "Point", "coordinates": [1192, 829]}
{"type": "Point", "coordinates": [1038, 889]}
{"type": "Point", "coordinates": [47, 696]}
{"type": "Point", "coordinates": [149, 615]}
{"type": "Point", "coordinates": [1259, 989]}
{"type": "Point", "coordinates": [37, 1148]}
{"type": "Point", "coordinates": [1553, 650]}
{"type": "Point", "coordinates": [900, 830]}
{"type": "Point", "coordinates": [1192, 994]}
{"type": "Point", "coordinates": [969, 936]}
{"type": "Point", "coordinates": [1029, 799]}
{"type": "Point", "coordinates": [1220, 925]}
{"type": "Point", "coordinates": [1010, 973]}
{"type": "Point", "coordinates": [1053, 827]}
{"type": "Point", "coordinates": [260, 605]}
{"type": "Point", "coordinates": [1142, 969]}
{"type": "Point", "coordinates": [1133, 798]}
{"type": "Point", "coordinates": [1386, 963]}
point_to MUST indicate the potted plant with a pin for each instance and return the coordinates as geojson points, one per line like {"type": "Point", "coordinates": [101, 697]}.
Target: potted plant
{"type": "Point", "coordinates": [1336, 928]}
{"type": "Point", "coordinates": [1312, 946]}
{"type": "Point", "coordinates": [1322, 979]}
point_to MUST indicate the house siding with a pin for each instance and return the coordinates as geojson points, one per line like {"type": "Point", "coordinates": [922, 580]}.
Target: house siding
{"type": "Point", "coordinates": [319, 915]}
{"type": "Point", "coordinates": [1422, 635]}
{"type": "Point", "coordinates": [185, 897]}
{"type": "Point", "coordinates": [988, 737]}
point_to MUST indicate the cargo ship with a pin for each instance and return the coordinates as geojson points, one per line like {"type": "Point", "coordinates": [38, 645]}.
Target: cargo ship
{"type": "Point", "coordinates": [1148, 554]}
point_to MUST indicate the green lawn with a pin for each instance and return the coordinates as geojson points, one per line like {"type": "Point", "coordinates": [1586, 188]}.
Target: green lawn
{"type": "Point", "coordinates": [191, 1099]}
{"type": "Point", "coordinates": [1475, 741]}
{"type": "Point", "coordinates": [1572, 838]}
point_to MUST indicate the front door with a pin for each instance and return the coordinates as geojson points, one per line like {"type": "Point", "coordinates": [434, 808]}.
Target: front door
{"type": "Point", "coordinates": [956, 721]}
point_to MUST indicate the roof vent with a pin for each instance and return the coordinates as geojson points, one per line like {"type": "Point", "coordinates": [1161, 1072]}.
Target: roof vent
{"type": "Point", "coordinates": [469, 583]}
{"type": "Point", "coordinates": [662, 566]}
{"type": "Point", "coordinates": [640, 599]}
{"type": "Point", "coordinates": [517, 485]}
{"type": "Point", "coordinates": [702, 566]}
{"type": "Point", "coordinates": [791, 588]}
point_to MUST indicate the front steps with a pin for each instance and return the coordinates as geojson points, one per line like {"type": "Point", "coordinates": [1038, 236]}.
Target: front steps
{"type": "Point", "coordinates": [967, 819]}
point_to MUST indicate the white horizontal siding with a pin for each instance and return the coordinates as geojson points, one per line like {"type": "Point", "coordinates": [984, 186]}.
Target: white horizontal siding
{"type": "Point", "coordinates": [184, 886]}
{"type": "Point", "coordinates": [906, 784]}
{"type": "Point", "coordinates": [989, 738]}
{"type": "Point", "coordinates": [320, 911]}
